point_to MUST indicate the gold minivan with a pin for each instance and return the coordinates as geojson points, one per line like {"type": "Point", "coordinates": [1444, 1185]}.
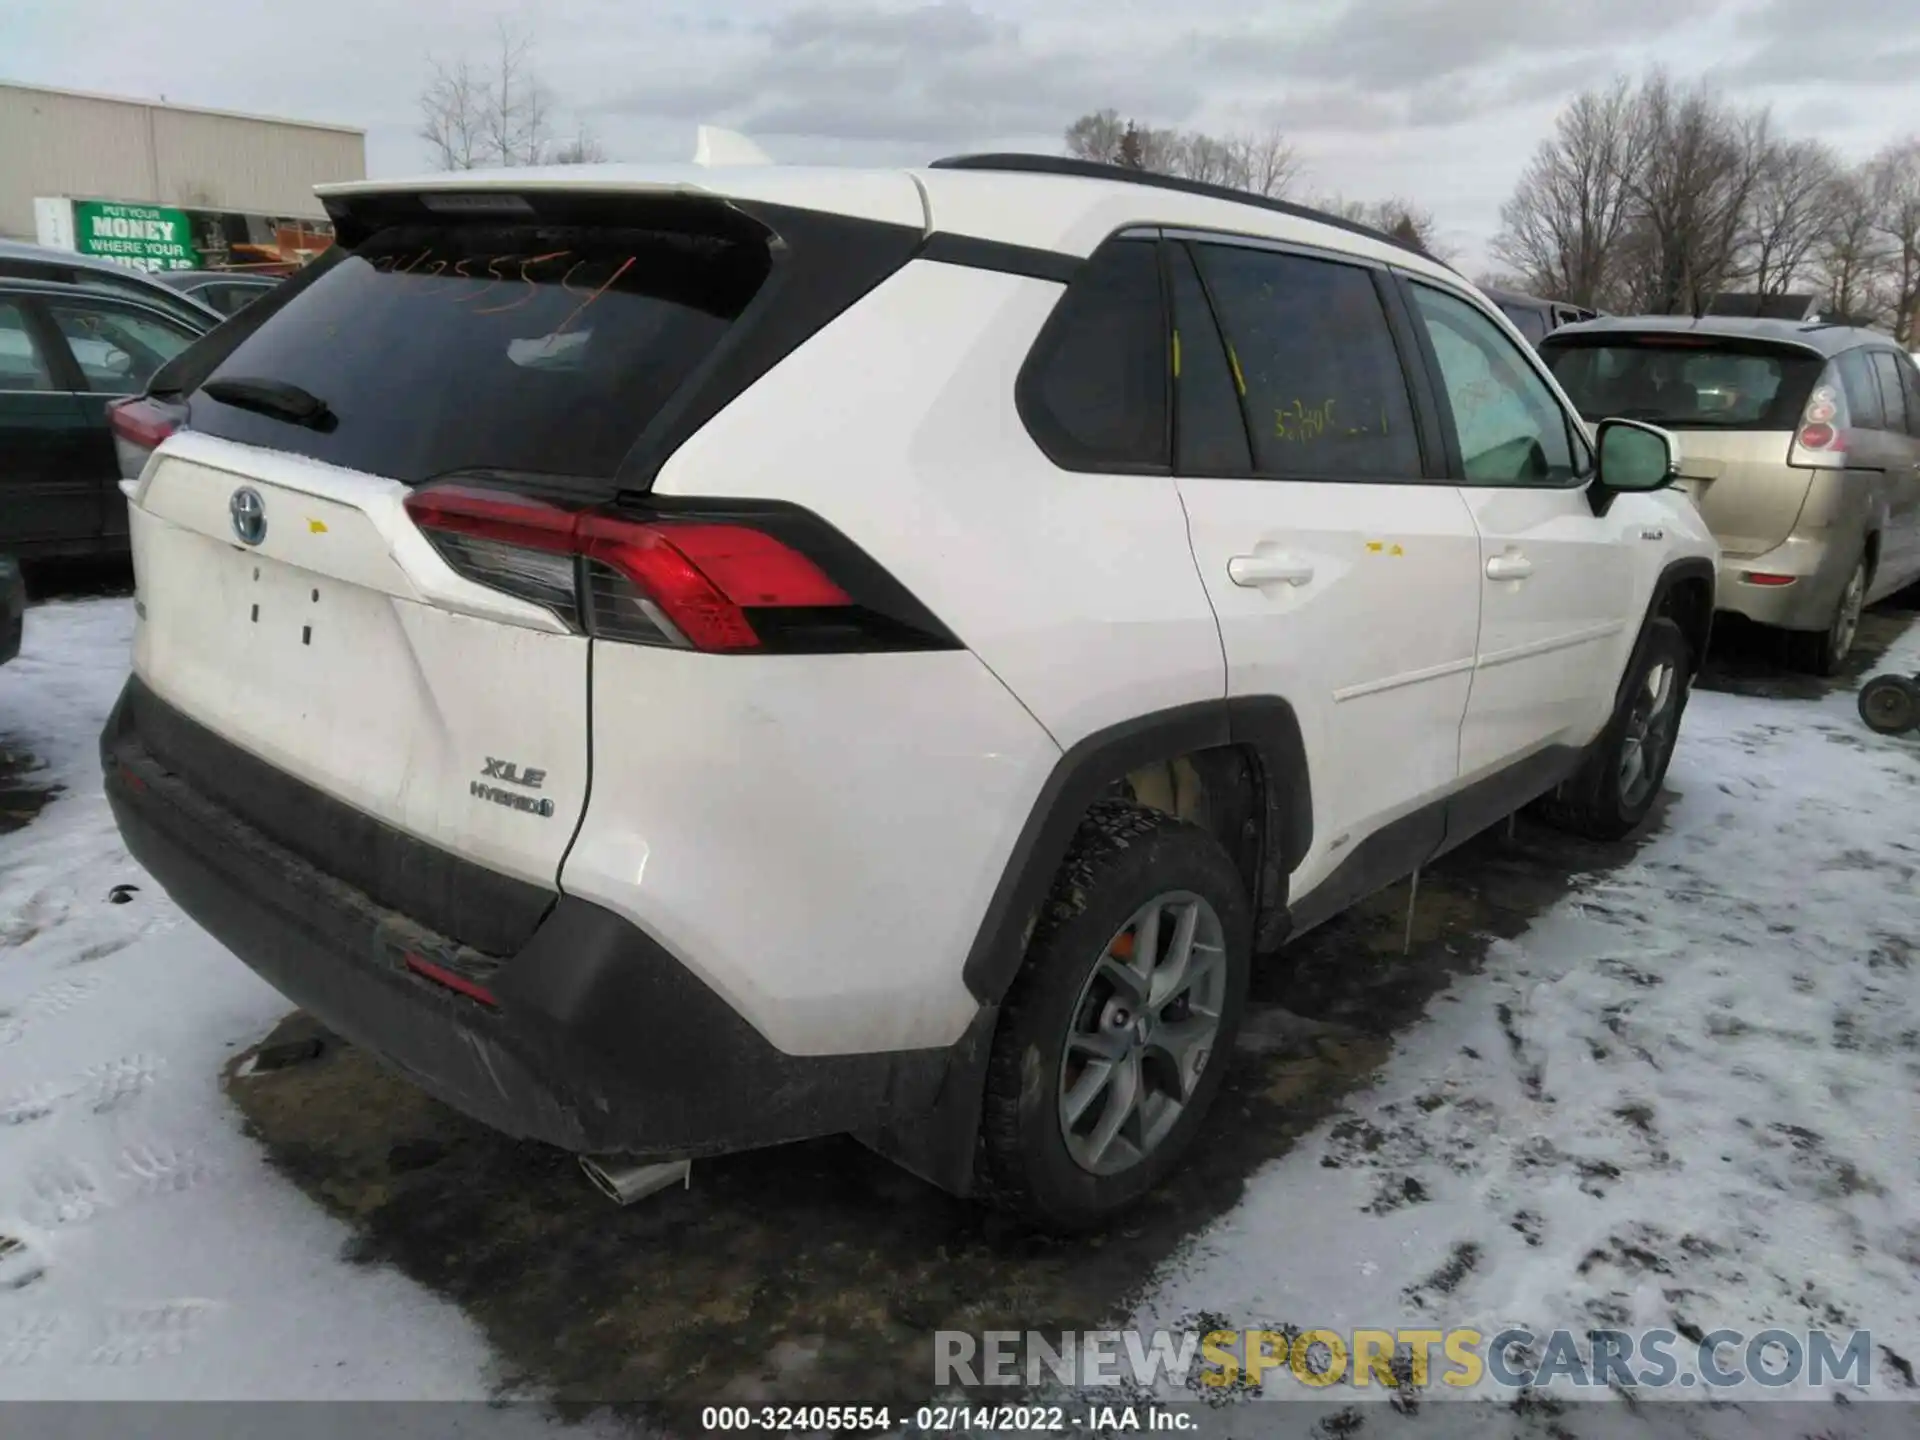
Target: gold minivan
{"type": "Point", "coordinates": [1800, 445]}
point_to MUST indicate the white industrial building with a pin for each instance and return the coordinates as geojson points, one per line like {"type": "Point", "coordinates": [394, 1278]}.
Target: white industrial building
{"type": "Point", "coordinates": [64, 144]}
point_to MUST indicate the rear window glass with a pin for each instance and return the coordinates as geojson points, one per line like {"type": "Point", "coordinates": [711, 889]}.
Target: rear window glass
{"type": "Point", "coordinates": [542, 349]}
{"type": "Point", "coordinates": [1686, 384]}
{"type": "Point", "coordinates": [1527, 321]}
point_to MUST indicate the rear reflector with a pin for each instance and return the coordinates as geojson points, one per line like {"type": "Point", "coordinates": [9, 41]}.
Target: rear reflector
{"type": "Point", "coordinates": [695, 582]}
{"type": "Point", "coordinates": [451, 980]}
{"type": "Point", "coordinates": [1763, 577]}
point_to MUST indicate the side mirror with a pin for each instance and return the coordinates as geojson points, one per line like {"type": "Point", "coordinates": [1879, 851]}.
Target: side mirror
{"type": "Point", "coordinates": [1634, 458]}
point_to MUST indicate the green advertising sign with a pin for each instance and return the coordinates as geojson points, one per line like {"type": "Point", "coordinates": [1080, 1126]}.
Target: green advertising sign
{"type": "Point", "coordinates": [145, 237]}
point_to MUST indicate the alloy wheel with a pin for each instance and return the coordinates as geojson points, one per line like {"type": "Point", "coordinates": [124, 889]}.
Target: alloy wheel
{"type": "Point", "coordinates": [1651, 726]}
{"type": "Point", "coordinates": [1142, 1032]}
{"type": "Point", "coordinates": [1846, 620]}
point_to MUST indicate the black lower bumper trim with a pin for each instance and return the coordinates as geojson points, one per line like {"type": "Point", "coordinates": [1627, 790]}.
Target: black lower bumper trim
{"type": "Point", "coordinates": [601, 1041]}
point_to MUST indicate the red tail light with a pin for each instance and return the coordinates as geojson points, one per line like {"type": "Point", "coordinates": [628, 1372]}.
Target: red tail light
{"type": "Point", "coordinates": [701, 581]}
{"type": "Point", "coordinates": [1766, 577]}
{"type": "Point", "coordinates": [140, 421]}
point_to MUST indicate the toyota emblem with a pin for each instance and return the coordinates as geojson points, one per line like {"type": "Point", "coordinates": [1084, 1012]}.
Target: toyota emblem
{"type": "Point", "coordinates": [249, 514]}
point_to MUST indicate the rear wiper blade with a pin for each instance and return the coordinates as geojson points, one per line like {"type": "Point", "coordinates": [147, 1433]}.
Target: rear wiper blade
{"type": "Point", "coordinates": [275, 398]}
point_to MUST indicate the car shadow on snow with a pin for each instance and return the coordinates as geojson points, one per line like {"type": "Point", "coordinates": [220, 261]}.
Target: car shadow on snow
{"type": "Point", "coordinates": [1749, 659]}
{"type": "Point", "coordinates": [816, 1273]}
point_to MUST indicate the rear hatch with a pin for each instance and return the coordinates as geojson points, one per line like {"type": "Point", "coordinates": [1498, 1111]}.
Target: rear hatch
{"type": "Point", "coordinates": [303, 592]}
{"type": "Point", "coordinates": [1734, 403]}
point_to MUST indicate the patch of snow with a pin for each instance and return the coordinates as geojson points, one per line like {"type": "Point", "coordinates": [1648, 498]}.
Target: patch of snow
{"type": "Point", "coordinates": [1685, 1094]}
{"type": "Point", "coordinates": [150, 1252]}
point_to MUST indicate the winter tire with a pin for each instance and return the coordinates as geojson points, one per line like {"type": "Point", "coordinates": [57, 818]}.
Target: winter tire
{"type": "Point", "coordinates": [1620, 779]}
{"type": "Point", "coordinates": [1114, 1038]}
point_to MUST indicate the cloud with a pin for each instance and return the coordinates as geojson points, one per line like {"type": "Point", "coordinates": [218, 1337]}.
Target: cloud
{"type": "Point", "coordinates": [941, 73]}
{"type": "Point", "coordinates": [1855, 42]}
{"type": "Point", "coordinates": [1386, 44]}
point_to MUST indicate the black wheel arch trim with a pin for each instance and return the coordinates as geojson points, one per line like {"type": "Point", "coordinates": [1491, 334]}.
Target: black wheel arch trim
{"type": "Point", "coordinates": [1265, 726]}
{"type": "Point", "coordinates": [1676, 572]}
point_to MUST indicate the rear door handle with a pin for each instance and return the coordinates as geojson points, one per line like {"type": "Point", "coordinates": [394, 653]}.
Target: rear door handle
{"type": "Point", "coordinates": [1509, 567]}
{"type": "Point", "coordinates": [1268, 569]}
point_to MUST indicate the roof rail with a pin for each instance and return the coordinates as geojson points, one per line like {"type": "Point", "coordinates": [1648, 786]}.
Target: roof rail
{"type": "Point", "coordinates": [1020, 162]}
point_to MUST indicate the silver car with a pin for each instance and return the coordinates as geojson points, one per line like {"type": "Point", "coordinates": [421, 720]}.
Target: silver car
{"type": "Point", "coordinates": [1800, 444]}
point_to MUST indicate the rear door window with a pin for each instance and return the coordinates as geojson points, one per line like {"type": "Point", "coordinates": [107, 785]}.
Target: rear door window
{"type": "Point", "coordinates": [117, 348]}
{"type": "Point", "coordinates": [1314, 362]}
{"type": "Point", "coordinates": [445, 347]}
{"type": "Point", "coordinates": [1094, 390]}
{"type": "Point", "coordinates": [1685, 382]}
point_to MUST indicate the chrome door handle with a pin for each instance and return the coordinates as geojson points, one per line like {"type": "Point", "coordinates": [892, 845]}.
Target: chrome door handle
{"type": "Point", "coordinates": [1269, 569]}
{"type": "Point", "coordinates": [1509, 567]}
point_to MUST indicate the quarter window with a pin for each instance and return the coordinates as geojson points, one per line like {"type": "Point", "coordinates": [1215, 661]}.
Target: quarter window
{"type": "Point", "coordinates": [1865, 411]}
{"type": "Point", "coordinates": [1511, 430]}
{"type": "Point", "coordinates": [1094, 395]}
{"type": "Point", "coordinates": [1893, 397]}
{"type": "Point", "coordinates": [1313, 359]}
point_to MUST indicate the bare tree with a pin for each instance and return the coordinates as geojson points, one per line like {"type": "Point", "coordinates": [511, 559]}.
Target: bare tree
{"type": "Point", "coordinates": [452, 111]}
{"type": "Point", "coordinates": [1260, 161]}
{"type": "Point", "coordinates": [1564, 224]}
{"type": "Point", "coordinates": [496, 113]}
{"type": "Point", "coordinates": [1699, 161]}
{"type": "Point", "coordinates": [1893, 179]}
{"type": "Point", "coordinates": [1400, 218]}
{"type": "Point", "coordinates": [515, 123]}
{"type": "Point", "coordinates": [1795, 200]}
{"type": "Point", "coordinates": [1265, 162]}
{"type": "Point", "coordinates": [583, 149]}
{"type": "Point", "coordinates": [1097, 137]}
{"type": "Point", "coordinates": [1851, 257]}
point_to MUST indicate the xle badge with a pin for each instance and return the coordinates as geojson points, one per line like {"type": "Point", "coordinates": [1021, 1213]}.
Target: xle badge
{"type": "Point", "coordinates": [511, 773]}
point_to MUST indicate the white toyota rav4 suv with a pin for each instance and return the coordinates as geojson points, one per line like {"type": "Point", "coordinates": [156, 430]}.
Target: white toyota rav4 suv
{"type": "Point", "coordinates": [684, 660]}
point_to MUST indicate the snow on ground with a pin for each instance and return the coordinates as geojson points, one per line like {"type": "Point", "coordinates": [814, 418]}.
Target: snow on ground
{"type": "Point", "coordinates": [1687, 1094]}
{"type": "Point", "coordinates": [148, 1251]}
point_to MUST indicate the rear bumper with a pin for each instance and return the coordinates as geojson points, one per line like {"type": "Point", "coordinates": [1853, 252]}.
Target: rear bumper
{"type": "Point", "coordinates": [1820, 565]}
{"type": "Point", "coordinates": [600, 1041]}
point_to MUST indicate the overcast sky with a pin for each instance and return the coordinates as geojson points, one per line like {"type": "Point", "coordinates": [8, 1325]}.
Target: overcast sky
{"type": "Point", "coordinates": [1441, 101]}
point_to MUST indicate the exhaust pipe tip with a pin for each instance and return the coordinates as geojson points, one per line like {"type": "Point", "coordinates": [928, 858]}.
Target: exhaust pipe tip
{"type": "Point", "coordinates": [623, 1181]}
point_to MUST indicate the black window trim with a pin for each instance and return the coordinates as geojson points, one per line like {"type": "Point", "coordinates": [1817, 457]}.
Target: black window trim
{"type": "Point", "coordinates": [1420, 399]}
{"type": "Point", "coordinates": [1585, 466]}
{"type": "Point", "coordinates": [1168, 248]}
